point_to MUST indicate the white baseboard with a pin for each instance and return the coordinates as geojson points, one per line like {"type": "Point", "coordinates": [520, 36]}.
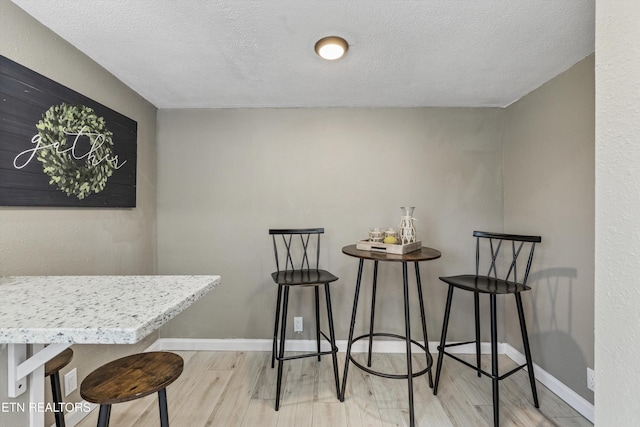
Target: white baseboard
{"type": "Point", "coordinates": [379, 346]}
{"type": "Point", "coordinates": [573, 399]}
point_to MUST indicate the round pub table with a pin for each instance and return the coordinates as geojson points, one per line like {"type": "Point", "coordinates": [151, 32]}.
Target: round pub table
{"type": "Point", "coordinates": [424, 254]}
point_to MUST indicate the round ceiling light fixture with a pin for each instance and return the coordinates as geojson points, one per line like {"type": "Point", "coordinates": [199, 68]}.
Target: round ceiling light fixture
{"type": "Point", "coordinates": [332, 47]}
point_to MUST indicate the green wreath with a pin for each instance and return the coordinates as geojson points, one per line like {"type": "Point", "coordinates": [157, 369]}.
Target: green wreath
{"type": "Point", "coordinates": [68, 173]}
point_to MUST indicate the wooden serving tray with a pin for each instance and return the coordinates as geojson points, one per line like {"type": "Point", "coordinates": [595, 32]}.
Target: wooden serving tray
{"type": "Point", "coordinates": [367, 245]}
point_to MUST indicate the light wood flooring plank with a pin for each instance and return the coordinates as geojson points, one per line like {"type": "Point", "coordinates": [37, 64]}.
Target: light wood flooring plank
{"type": "Point", "coordinates": [237, 395]}
{"type": "Point", "coordinates": [427, 406]}
{"type": "Point", "coordinates": [360, 404]}
{"type": "Point", "coordinates": [329, 414]}
{"type": "Point", "coordinates": [388, 393]}
{"type": "Point", "coordinates": [258, 413]}
{"type": "Point", "coordinates": [297, 398]}
{"type": "Point", "coordinates": [237, 389]}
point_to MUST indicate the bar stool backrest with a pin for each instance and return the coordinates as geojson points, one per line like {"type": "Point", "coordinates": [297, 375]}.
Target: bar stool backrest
{"type": "Point", "coordinates": [508, 259]}
{"type": "Point", "coordinates": [296, 249]}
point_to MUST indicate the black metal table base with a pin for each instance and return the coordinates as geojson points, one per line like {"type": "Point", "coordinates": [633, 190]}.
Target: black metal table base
{"type": "Point", "coordinates": [392, 376]}
{"type": "Point", "coordinates": [407, 337]}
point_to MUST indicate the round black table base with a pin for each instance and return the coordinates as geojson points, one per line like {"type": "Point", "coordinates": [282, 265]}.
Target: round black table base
{"type": "Point", "coordinates": [392, 376]}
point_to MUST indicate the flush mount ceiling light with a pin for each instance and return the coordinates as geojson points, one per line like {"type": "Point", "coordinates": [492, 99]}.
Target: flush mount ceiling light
{"type": "Point", "coordinates": [332, 47]}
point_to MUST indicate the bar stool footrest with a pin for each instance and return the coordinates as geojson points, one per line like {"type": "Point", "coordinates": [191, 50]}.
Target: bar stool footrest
{"type": "Point", "coordinates": [316, 354]}
{"type": "Point", "coordinates": [302, 356]}
{"type": "Point", "coordinates": [483, 372]}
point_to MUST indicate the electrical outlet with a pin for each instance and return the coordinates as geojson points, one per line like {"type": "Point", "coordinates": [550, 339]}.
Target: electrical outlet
{"type": "Point", "coordinates": [591, 379]}
{"type": "Point", "coordinates": [70, 382]}
{"type": "Point", "coordinates": [297, 324]}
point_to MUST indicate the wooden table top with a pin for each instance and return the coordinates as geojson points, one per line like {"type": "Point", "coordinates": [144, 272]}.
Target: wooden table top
{"type": "Point", "coordinates": [424, 254]}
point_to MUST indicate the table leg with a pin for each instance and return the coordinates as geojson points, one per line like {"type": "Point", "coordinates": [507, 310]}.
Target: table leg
{"type": "Point", "coordinates": [351, 328]}
{"type": "Point", "coordinates": [424, 321]}
{"type": "Point", "coordinates": [373, 310]}
{"type": "Point", "coordinates": [408, 340]}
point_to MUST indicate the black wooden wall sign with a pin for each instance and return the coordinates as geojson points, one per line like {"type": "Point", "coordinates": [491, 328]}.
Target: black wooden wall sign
{"type": "Point", "coordinates": [60, 148]}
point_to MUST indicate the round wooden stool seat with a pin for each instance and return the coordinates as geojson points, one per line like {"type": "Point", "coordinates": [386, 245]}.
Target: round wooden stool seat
{"type": "Point", "coordinates": [58, 362]}
{"type": "Point", "coordinates": [131, 377]}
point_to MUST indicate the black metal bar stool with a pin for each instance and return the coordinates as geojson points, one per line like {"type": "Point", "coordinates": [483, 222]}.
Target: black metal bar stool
{"type": "Point", "coordinates": [52, 370]}
{"type": "Point", "coordinates": [493, 283]}
{"type": "Point", "coordinates": [302, 273]}
{"type": "Point", "coordinates": [130, 378]}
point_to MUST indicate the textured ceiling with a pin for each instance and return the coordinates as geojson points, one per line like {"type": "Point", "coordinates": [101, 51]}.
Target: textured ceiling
{"type": "Point", "coordinates": [403, 53]}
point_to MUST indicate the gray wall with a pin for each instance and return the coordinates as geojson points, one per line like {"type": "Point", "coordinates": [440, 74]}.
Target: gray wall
{"type": "Point", "coordinates": [78, 241]}
{"type": "Point", "coordinates": [249, 170]}
{"type": "Point", "coordinates": [222, 184]}
{"type": "Point", "coordinates": [549, 158]}
{"type": "Point", "coordinates": [226, 176]}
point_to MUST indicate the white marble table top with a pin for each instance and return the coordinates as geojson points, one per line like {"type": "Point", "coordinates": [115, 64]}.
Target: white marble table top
{"type": "Point", "coordinates": [93, 309]}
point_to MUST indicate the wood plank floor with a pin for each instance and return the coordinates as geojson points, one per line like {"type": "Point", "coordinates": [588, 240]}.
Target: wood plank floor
{"type": "Point", "coordinates": [238, 389]}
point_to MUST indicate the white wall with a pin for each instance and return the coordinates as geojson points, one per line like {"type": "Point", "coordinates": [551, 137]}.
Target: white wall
{"type": "Point", "coordinates": [226, 176]}
{"type": "Point", "coordinates": [59, 241]}
{"type": "Point", "coordinates": [617, 255]}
